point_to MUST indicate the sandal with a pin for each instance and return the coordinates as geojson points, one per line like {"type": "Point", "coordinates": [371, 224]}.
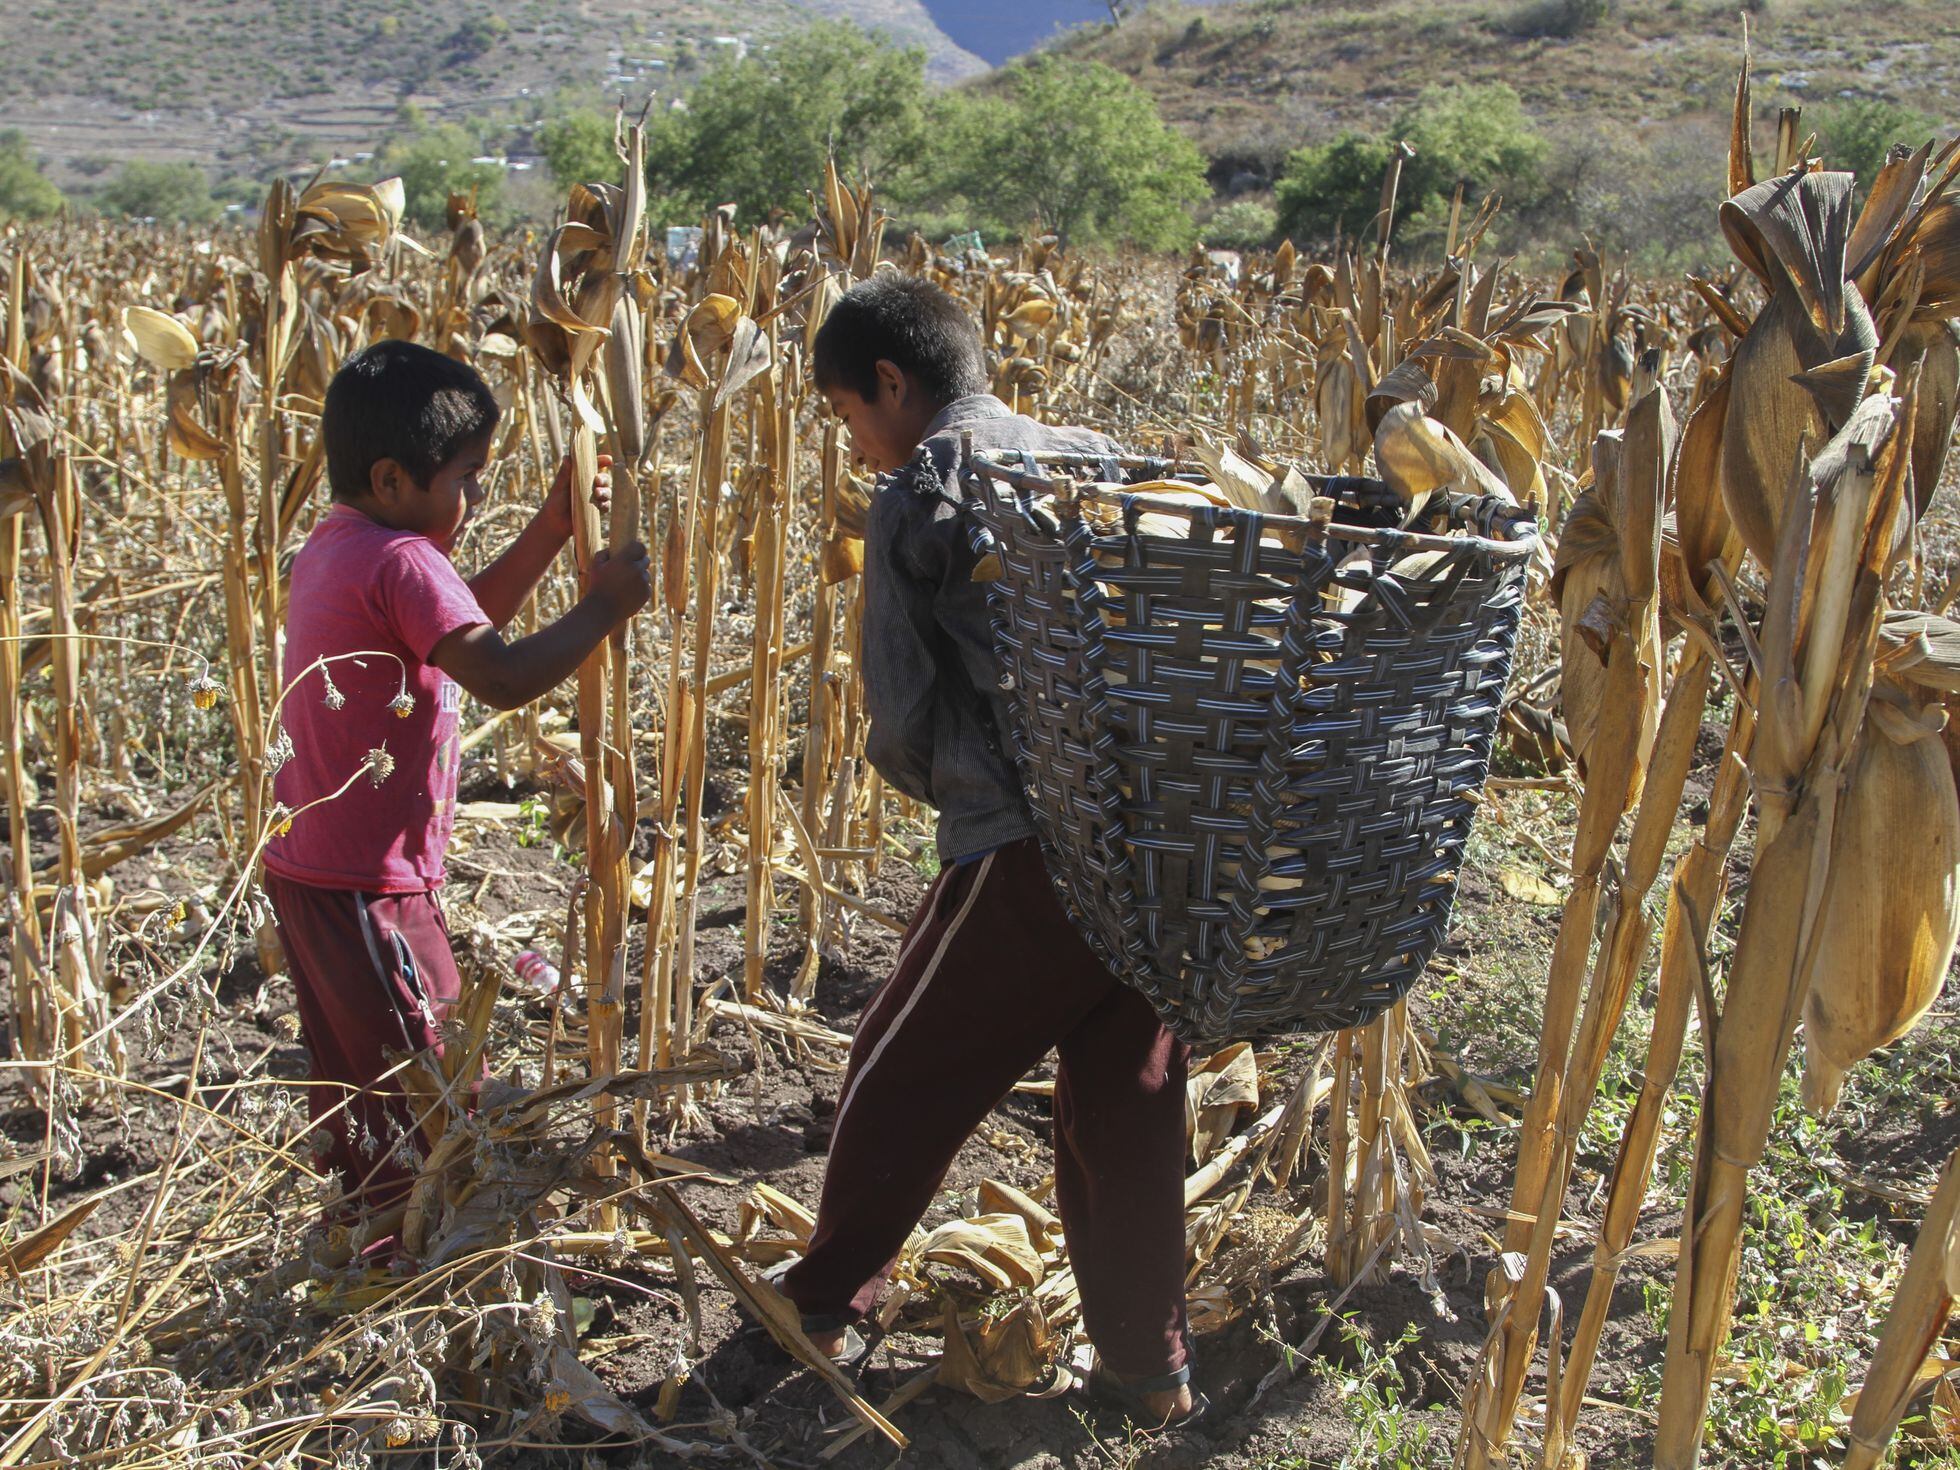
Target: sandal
{"type": "Point", "coordinates": [1106, 1389]}
{"type": "Point", "coordinates": [855, 1350]}
{"type": "Point", "coordinates": [854, 1353]}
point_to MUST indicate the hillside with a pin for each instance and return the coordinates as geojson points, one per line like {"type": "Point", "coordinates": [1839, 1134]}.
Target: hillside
{"type": "Point", "coordinates": [1253, 78]}
{"type": "Point", "coordinates": [243, 84]}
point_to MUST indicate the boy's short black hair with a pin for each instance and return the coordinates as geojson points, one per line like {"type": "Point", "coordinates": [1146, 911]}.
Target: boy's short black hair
{"type": "Point", "coordinates": [907, 321]}
{"type": "Point", "coordinates": [398, 401]}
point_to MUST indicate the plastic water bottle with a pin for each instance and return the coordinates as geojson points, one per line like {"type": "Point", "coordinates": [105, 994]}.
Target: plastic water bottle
{"type": "Point", "coordinates": [536, 973]}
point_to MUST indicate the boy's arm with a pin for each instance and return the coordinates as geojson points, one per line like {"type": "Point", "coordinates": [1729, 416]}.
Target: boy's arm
{"type": "Point", "coordinates": [508, 675]}
{"type": "Point", "coordinates": [502, 586]}
{"type": "Point", "coordinates": [900, 635]}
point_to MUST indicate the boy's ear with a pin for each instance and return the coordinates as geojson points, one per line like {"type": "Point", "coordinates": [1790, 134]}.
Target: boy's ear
{"type": "Point", "coordinates": [892, 381]}
{"type": "Point", "coordinates": [387, 479]}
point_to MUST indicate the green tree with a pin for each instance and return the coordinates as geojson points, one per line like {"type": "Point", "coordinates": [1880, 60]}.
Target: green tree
{"type": "Point", "coordinates": [755, 131]}
{"type": "Point", "coordinates": [1475, 135]}
{"type": "Point", "coordinates": [1075, 146]}
{"type": "Point", "coordinates": [435, 162]}
{"type": "Point", "coordinates": [25, 192]}
{"type": "Point", "coordinates": [173, 192]}
{"type": "Point", "coordinates": [578, 145]}
{"type": "Point", "coordinates": [1336, 185]}
{"type": "Point", "coordinates": [1855, 133]}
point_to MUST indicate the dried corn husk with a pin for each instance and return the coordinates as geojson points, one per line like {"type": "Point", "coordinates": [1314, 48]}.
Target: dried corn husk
{"type": "Point", "coordinates": [1703, 530]}
{"type": "Point", "coordinates": [1921, 652]}
{"type": "Point", "coordinates": [1511, 439]}
{"type": "Point", "coordinates": [1418, 457]}
{"type": "Point", "coordinates": [1418, 566]}
{"type": "Point", "coordinates": [1242, 482]}
{"type": "Point", "coordinates": [994, 1249]}
{"type": "Point", "coordinates": [1893, 912]}
{"type": "Point", "coordinates": [1158, 522]}
{"type": "Point", "coordinates": [1044, 1229]}
{"type": "Point", "coordinates": [1000, 1357]}
{"type": "Point", "coordinates": [1810, 717]}
{"type": "Point", "coordinates": [1601, 580]}
{"type": "Point", "coordinates": [1218, 1090]}
{"type": "Point", "coordinates": [1407, 382]}
{"type": "Point", "coordinates": [1887, 205]}
{"type": "Point", "coordinates": [1340, 394]}
{"type": "Point", "coordinates": [333, 220]}
{"type": "Point", "coordinates": [192, 402]}
{"type": "Point", "coordinates": [1913, 1326]}
{"type": "Point", "coordinates": [1030, 317]}
{"type": "Point", "coordinates": [1803, 365]}
{"type": "Point", "coordinates": [1933, 348]}
{"type": "Point", "coordinates": [1935, 239]}
{"type": "Point", "coordinates": [161, 340]}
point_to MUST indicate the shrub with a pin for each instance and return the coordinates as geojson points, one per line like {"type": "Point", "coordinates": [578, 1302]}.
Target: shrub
{"type": "Point", "coordinates": [1244, 224]}
{"type": "Point", "coordinates": [1560, 19]}
{"type": "Point", "coordinates": [578, 146]}
{"type": "Point", "coordinates": [433, 163]}
{"type": "Point", "coordinates": [1854, 134]}
{"type": "Point", "coordinates": [1477, 135]}
{"type": "Point", "coordinates": [475, 37]}
{"type": "Point", "coordinates": [25, 192]}
{"type": "Point", "coordinates": [1648, 197]}
{"type": "Point", "coordinates": [172, 192]}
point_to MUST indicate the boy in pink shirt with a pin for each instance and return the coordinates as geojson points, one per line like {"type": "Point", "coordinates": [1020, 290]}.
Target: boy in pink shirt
{"type": "Point", "coordinates": [353, 879]}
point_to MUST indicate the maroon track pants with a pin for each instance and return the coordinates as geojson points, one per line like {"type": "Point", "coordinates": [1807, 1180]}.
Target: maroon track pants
{"type": "Point", "coordinates": [374, 974]}
{"type": "Point", "coordinates": [990, 976]}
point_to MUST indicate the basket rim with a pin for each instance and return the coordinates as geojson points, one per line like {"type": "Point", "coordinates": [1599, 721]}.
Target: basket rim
{"type": "Point", "coordinates": [1520, 521]}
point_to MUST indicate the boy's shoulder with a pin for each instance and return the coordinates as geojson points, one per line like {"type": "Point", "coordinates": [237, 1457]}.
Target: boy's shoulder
{"type": "Point", "coordinates": [349, 558]}
{"type": "Point", "coordinates": [994, 428]}
{"type": "Point", "coordinates": [358, 545]}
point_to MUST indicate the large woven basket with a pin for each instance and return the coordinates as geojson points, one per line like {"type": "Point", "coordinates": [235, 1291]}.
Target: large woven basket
{"type": "Point", "coordinates": [1252, 799]}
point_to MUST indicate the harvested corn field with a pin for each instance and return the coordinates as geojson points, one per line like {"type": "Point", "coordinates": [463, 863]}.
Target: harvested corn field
{"type": "Point", "coordinates": [1496, 717]}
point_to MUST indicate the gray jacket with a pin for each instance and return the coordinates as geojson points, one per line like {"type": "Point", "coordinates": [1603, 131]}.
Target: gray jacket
{"type": "Point", "coordinates": [931, 682]}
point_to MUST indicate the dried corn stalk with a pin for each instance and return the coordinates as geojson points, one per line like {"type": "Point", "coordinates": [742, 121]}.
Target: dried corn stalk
{"type": "Point", "coordinates": [16, 499]}
{"type": "Point", "coordinates": [1630, 470]}
{"type": "Point", "coordinates": [1817, 643]}
{"type": "Point", "coordinates": [1913, 1326]}
{"type": "Point", "coordinates": [582, 300]}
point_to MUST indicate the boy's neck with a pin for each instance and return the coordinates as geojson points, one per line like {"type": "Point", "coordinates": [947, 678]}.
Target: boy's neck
{"type": "Point", "coordinates": [374, 510]}
{"type": "Point", "coordinates": [932, 412]}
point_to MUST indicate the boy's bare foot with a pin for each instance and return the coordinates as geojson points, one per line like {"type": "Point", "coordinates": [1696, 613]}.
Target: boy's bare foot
{"type": "Point", "coordinates": [830, 1344]}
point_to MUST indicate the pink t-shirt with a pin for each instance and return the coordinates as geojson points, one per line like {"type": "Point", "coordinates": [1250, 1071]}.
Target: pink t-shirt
{"type": "Point", "coordinates": [360, 586]}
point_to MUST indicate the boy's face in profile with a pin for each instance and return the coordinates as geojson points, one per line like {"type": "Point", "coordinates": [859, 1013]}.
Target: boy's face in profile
{"type": "Point", "coordinates": [888, 427]}
{"type": "Point", "coordinates": [443, 507]}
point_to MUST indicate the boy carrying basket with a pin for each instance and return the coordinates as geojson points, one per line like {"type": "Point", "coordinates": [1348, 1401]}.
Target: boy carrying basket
{"type": "Point", "coordinates": [354, 880]}
{"type": "Point", "coordinates": [991, 974]}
